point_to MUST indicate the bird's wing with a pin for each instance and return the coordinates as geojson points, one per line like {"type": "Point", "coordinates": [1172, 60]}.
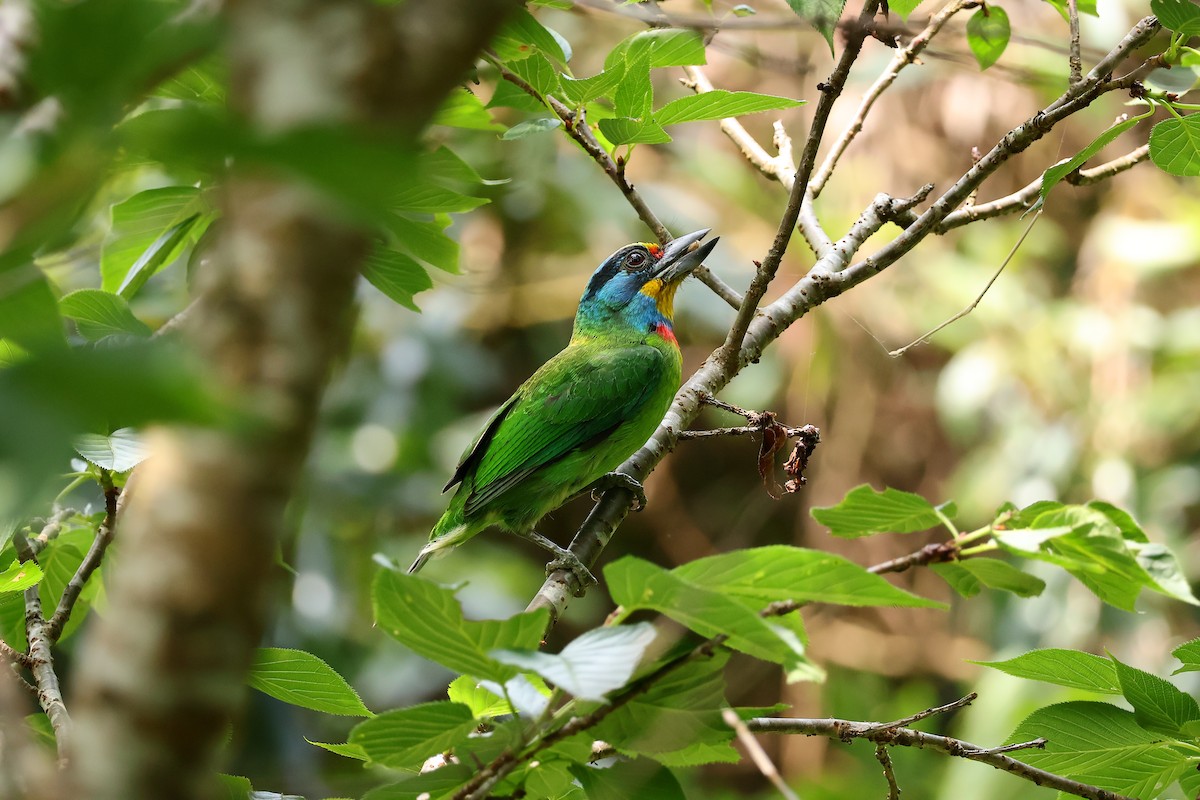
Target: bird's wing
{"type": "Point", "coordinates": [575, 400]}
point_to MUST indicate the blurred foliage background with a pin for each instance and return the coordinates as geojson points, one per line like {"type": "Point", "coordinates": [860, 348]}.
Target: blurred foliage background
{"type": "Point", "coordinates": [1077, 377]}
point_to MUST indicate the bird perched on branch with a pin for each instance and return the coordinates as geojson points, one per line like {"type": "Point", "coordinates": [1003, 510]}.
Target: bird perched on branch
{"type": "Point", "coordinates": [585, 411]}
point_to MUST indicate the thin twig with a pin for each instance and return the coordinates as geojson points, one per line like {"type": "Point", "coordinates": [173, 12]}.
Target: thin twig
{"type": "Point", "coordinates": [979, 299]}
{"type": "Point", "coordinates": [938, 553]}
{"type": "Point", "coordinates": [885, 760]}
{"type": "Point", "coordinates": [757, 754]}
{"type": "Point", "coordinates": [830, 90]}
{"type": "Point", "coordinates": [1073, 57]}
{"type": "Point", "coordinates": [104, 536]}
{"type": "Point", "coordinates": [929, 712]}
{"type": "Point", "coordinates": [903, 57]}
{"type": "Point", "coordinates": [1033, 744]}
{"type": "Point", "coordinates": [575, 125]}
{"type": "Point", "coordinates": [14, 655]}
{"type": "Point", "coordinates": [846, 730]}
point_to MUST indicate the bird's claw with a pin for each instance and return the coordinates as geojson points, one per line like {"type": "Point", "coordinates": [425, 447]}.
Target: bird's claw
{"type": "Point", "coordinates": [619, 480]}
{"type": "Point", "coordinates": [566, 560]}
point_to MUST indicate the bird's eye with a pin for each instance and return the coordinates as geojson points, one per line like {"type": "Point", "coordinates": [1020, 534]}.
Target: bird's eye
{"type": "Point", "coordinates": [635, 259]}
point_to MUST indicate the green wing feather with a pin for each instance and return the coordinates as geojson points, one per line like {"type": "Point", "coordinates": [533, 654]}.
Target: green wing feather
{"type": "Point", "coordinates": [576, 399]}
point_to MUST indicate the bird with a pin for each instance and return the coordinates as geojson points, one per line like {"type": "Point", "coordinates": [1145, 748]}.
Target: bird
{"type": "Point", "coordinates": [582, 413]}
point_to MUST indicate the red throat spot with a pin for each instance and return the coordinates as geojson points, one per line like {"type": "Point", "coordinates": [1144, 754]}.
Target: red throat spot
{"type": "Point", "coordinates": [655, 250]}
{"type": "Point", "coordinates": [664, 330]}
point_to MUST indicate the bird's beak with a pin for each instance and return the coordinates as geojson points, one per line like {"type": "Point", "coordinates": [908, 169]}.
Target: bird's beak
{"type": "Point", "coordinates": [683, 255]}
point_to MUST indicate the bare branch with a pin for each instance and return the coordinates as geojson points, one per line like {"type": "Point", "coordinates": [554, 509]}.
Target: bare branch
{"type": "Point", "coordinates": [903, 57]}
{"type": "Point", "coordinates": [757, 754]}
{"type": "Point", "coordinates": [1073, 57]}
{"type": "Point", "coordinates": [961, 702]}
{"type": "Point", "coordinates": [847, 730]}
{"type": "Point", "coordinates": [1087, 177]}
{"type": "Point", "coordinates": [885, 760]}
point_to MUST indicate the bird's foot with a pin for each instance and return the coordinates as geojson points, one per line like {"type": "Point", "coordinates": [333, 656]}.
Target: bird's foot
{"type": "Point", "coordinates": [619, 480]}
{"type": "Point", "coordinates": [566, 560]}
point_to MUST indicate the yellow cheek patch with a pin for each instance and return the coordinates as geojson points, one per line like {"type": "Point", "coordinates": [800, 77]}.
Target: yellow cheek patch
{"type": "Point", "coordinates": [663, 294]}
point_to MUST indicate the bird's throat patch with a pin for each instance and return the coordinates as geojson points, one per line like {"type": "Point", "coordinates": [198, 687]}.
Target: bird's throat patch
{"type": "Point", "coordinates": [664, 330]}
{"type": "Point", "coordinates": [663, 295]}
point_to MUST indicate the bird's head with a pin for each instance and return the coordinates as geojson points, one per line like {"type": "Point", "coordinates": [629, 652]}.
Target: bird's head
{"type": "Point", "coordinates": [636, 285]}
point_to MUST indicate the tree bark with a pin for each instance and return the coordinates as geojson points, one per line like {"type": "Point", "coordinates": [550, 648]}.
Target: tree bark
{"type": "Point", "coordinates": [161, 675]}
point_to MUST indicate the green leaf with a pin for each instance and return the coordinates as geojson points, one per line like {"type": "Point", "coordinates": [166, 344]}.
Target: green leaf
{"type": "Point", "coordinates": [592, 665]}
{"type": "Point", "coordinates": [1175, 146]}
{"type": "Point", "coordinates": [667, 47]}
{"type": "Point", "coordinates": [634, 583]}
{"type": "Point", "coordinates": [719, 104]}
{"type": "Point", "coordinates": [346, 750]}
{"type": "Point", "coordinates": [530, 127]}
{"type": "Point", "coordinates": [865, 512]}
{"type": "Point", "coordinates": [580, 91]}
{"type": "Point", "coordinates": [426, 197]}
{"type": "Point", "coordinates": [1069, 668]}
{"type": "Point", "coordinates": [622, 130]}
{"type": "Point", "coordinates": [462, 109]}
{"type": "Point", "coordinates": [780, 572]}
{"type": "Point", "coordinates": [522, 35]}
{"type": "Point", "coordinates": [1180, 16]}
{"type": "Point", "coordinates": [1157, 704]}
{"type": "Point", "coordinates": [120, 451]}
{"type": "Point", "coordinates": [403, 739]}
{"type": "Point", "coordinates": [149, 230]}
{"type": "Point", "coordinates": [1189, 654]}
{"type": "Point", "coordinates": [484, 703]}
{"type": "Point", "coordinates": [507, 95]}
{"type": "Point", "coordinates": [59, 564]}
{"type": "Point", "coordinates": [29, 314]}
{"type": "Point", "coordinates": [968, 576]}
{"type": "Point", "coordinates": [302, 679]}
{"type": "Point", "coordinates": [234, 787]}
{"type": "Point", "coordinates": [428, 620]}
{"type": "Point", "coordinates": [625, 779]}
{"type": "Point", "coordinates": [903, 7]}
{"type": "Point", "coordinates": [1165, 572]}
{"type": "Point", "coordinates": [821, 14]}
{"type": "Point", "coordinates": [988, 33]}
{"type": "Point", "coordinates": [550, 781]}
{"type": "Point", "coordinates": [98, 314]}
{"type": "Point", "coordinates": [425, 241]}
{"type": "Point", "coordinates": [1084, 7]}
{"type": "Point", "coordinates": [1102, 745]}
{"type": "Point", "coordinates": [19, 577]}
{"type": "Point", "coordinates": [635, 94]}
{"type": "Point", "coordinates": [396, 275]}
{"type": "Point", "coordinates": [1055, 174]}
{"type": "Point", "coordinates": [438, 784]}
{"type": "Point", "coordinates": [539, 73]}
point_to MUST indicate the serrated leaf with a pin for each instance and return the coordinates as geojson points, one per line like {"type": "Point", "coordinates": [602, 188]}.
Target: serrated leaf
{"type": "Point", "coordinates": [530, 127]}
{"type": "Point", "coordinates": [667, 47]}
{"type": "Point", "coordinates": [1102, 745]}
{"type": "Point", "coordinates": [302, 679]}
{"type": "Point", "coordinates": [821, 14]}
{"type": "Point", "coordinates": [1157, 704]}
{"type": "Point", "coordinates": [436, 784]}
{"type": "Point", "coordinates": [425, 241]}
{"type": "Point", "coordinates": [622, 130]}
{"type": "Point", "coordinates": [968, 576]}
{"type": "Point", "coordinates": [1175, 146]}
{"type": "Point", "coordinates": [780, 572]}
{"type": "Point", "coordinates": [522, 36]}
{"type": "Point", "coordinates": [903, 7]}
{"type": "Point", "coordinates": [634, 583]}
{"type": "Point", "coordinates": [396, 275]}
{"type": "Point", "coordinates": [484, 703]}
{"type": "Point", "coordinates": [641, 777]}
{"type": "Point", "coordinates": [528, 694]}
{"type": "Point", "coordinates": [1165, 571]}
{"type": "Point", "coordinates": [428, 619]}
{"type": "Point", "coordinates": [98, 314]}
{"type": "Point", "coordinates": [865, 512]}
{"type": "Point", "coordinates": [403, 739]}
{"type": "Point", "coordinates": [342, 749]}
{"type": "Point", "coordinates": [462, 109]}
{"type": "Point", "coordinates": [1070, 668]}
{"type": "Point", "coordinates": [635, 94]}
{"type": "Point", "coordinates": [508, 95]}
{"type": "Point", "coordinates": [1083, 6]}
{"type": "Point", "coordinates": [1189, 654]}
{"type": "Point", "coordinates": [234, 787]}
{"type": "Point", "coordinates": [539, 73]}
{"type": "Point", "coordinates": [719, 104]}
{"type": "Point", "coordinates": [139, 224]}
{"type": "Point", "coordinates": [20, 576]}
{"type": "Point", "coordinates": [988, 33]}
{"type": "Point", "coordinates": [580, 91]}
{"type": "Point", "coordinates": [426, 197]}
{"type": "Point", "coordinates": [162, 251]}
{"type": "Point", "coordinates": [1180, 16]}
{"type": "Point", "coordinates": [592, 665]}
{"type": "Point", "coordinates": [1055, 174]}
{"type": "Point", "coordinates": [120, 451]}
{"type": "Point", "coordinates": [59, 565]}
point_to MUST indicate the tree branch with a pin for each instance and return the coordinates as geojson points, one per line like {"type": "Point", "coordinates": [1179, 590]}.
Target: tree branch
{"type": "Point", "coordinates": [847, 730]}
{"type": "Point", "coordinates": [1074, 61]}
{"type": "Point", "coordinates": [757, 754]}
{"type": "Point", "coordinates": [885, 760]}
{"type": "Point", "coordinates": [101, 541]}
{"type": "Point", "coordinates": [903, 57]}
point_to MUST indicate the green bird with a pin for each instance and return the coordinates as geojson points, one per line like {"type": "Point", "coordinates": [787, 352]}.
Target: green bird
{"type": "Point", "coordinates": [584, 411]}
